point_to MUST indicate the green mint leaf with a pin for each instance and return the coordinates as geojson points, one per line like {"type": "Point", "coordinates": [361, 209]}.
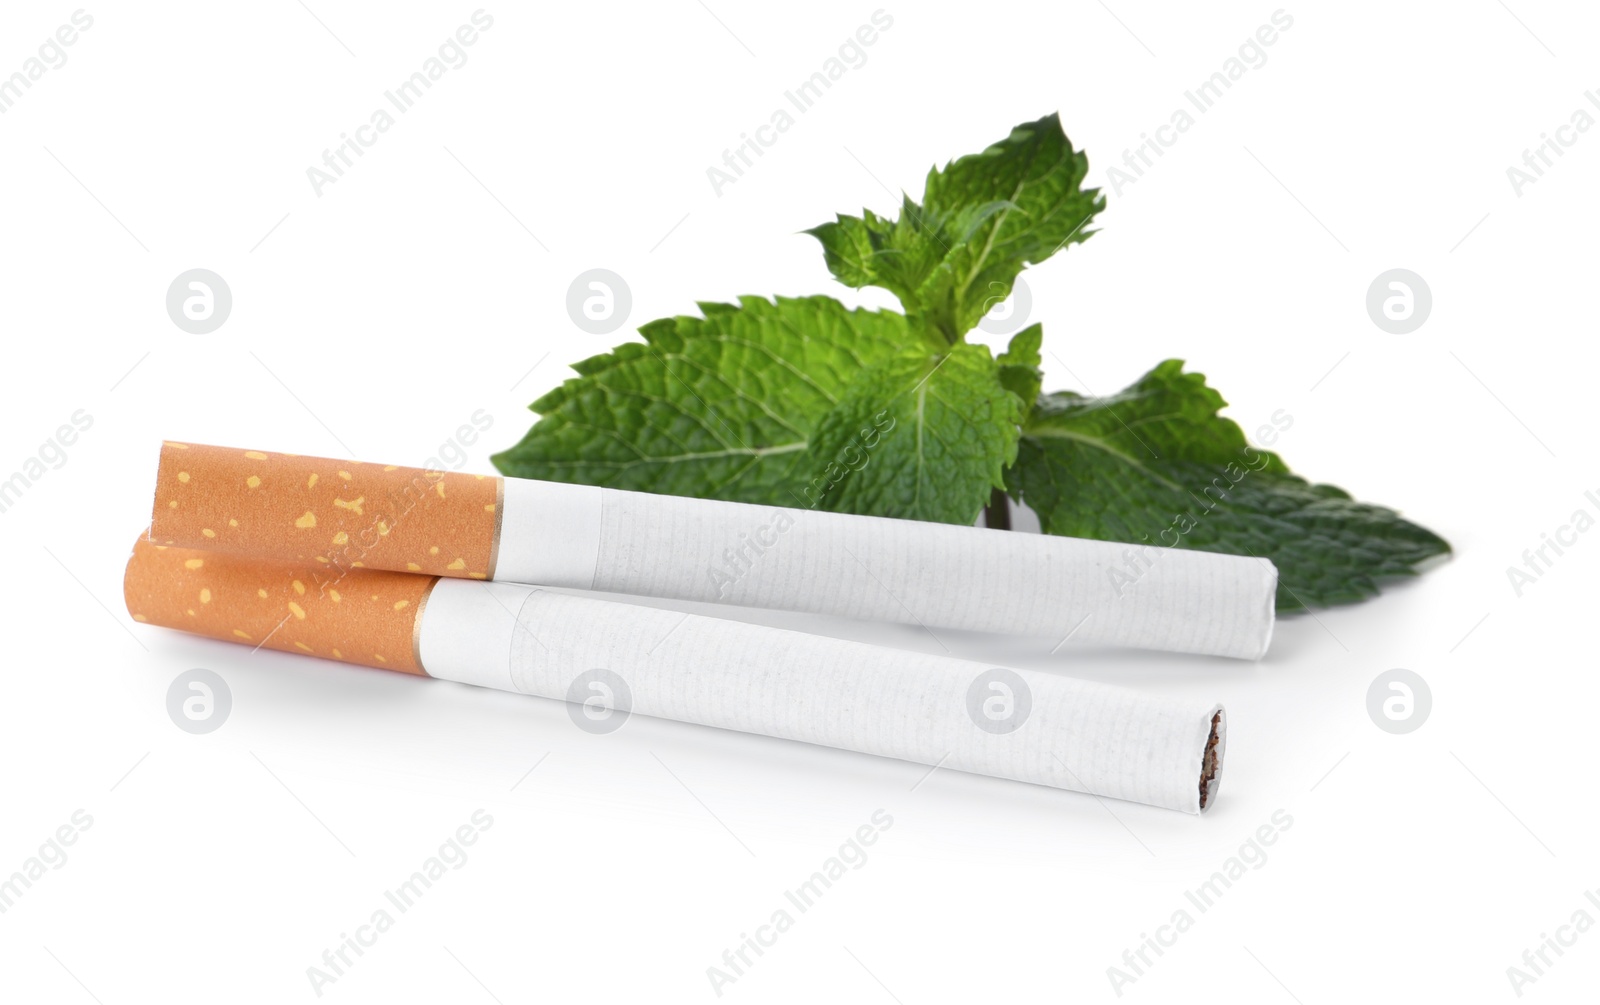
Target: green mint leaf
{"type": "Point", "coordinates": [1019, 366]}
{"type": "Point", "coordinates": [720, 407]}
{"type": "Point", "coordinates": [923, 435]}
{"type": "Point", "coordinates": [983, 218]}
{"type": "Point", "coordinates": [1156, 465]}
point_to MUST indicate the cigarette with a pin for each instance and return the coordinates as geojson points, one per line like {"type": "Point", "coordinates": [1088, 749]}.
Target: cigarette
{"type": "Point", "coordinates": [607, 657]}
{"type": "Point", "coordinates": [344, 514]}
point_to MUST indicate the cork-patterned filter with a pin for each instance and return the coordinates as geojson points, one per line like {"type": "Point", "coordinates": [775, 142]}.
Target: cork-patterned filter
{"type": "Point", "coordinates": [365, 616]}
{"type": "Point", "coordinates": [336, 514]}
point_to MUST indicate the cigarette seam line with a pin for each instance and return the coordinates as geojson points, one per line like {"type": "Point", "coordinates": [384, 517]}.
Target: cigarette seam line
{"type": "Point", "coordinates": [416, 627]}
{"type": "Point", "coordinates": [499, 525]}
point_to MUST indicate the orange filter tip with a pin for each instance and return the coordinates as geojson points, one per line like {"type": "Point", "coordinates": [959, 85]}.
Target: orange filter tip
{"type": "Point", "coordinates": [360, 616]}
{"type": "Point", "coordinates": [341, 515]}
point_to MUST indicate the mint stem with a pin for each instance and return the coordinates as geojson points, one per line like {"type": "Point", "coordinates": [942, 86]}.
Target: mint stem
{"type": "Point", "coordinates": [997, 515]}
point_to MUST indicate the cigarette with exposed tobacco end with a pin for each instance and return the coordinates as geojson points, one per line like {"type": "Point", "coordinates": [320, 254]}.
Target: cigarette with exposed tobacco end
{"type": "Point", "coordinates": [611, 659]}
{"type": "Point", "coordinates": [343, 515]}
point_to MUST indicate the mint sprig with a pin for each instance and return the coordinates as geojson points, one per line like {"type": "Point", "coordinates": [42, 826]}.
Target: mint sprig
{"type": "Point", "coordinates": [804, 402]}
{"type": "Point", "coordinates": [983, 218]}
{"type": "Point", "coordinates": [923, 435]}
{"type": "Point", "coordinates": [721, 406]}
{"type": "Point", "coordinates": [1156, 465]}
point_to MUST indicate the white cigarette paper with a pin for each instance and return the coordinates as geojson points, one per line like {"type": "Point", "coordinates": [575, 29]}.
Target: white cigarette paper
{"type": "Point", "coordinates": [348, 515]}
{"type": "Point", "coordinates": [1019, 724]}
{"type": "Point", "coordinates": [600, 655]}
{"type": "Point", "coordinates": [937, 575]}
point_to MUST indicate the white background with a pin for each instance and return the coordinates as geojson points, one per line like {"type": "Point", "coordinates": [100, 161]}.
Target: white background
{"type": "Point", "coordinates": [375, 319]}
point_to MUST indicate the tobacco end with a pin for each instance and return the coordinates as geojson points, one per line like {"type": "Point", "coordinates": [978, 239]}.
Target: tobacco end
{"type": "Point", "coordinates": [1211, 760]}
